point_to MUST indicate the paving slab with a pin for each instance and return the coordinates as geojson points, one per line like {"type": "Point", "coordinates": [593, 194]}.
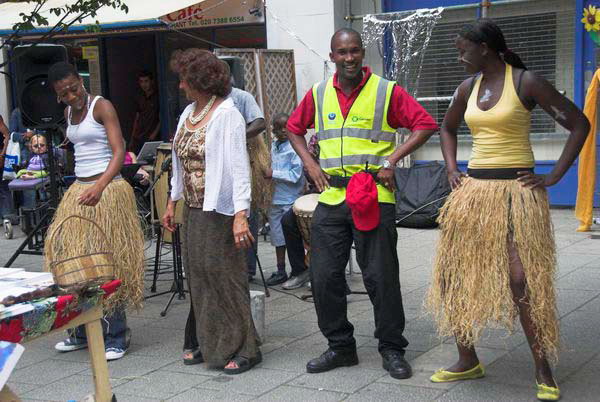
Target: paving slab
{"type": "Point", "coordinates": [202, 394]}
{"type": "Point", "coordinates": [388, 392]}
{"type": "Point", "coordinates": [20, 388]}
{"type": "Point", "coordinates": [160, 384]}
{"type": "Point", "coordinates": [288, 393]}
{"type": "Point", "coordinates": [76, 388]}
{"type": "Point", "coordinates": [486, 391]}
{"type": "Point", "coordinates": [152, 370]}
{"type": "Point", "coordinates": [570, 299]}
{"type": "Point", "coordinates": [132, 366]}
{"type": "Point", "coordinates": [342, 379]}
{"type": "Point", "coordinates": [48, 371]}
{"type": "Point", "coordinates": [254, 382]}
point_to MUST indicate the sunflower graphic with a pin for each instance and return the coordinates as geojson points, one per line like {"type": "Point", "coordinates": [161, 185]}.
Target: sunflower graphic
{"type": "Point", "coordinates": [591, 19]}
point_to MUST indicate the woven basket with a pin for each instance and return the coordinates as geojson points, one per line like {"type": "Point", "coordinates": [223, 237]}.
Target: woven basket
{"type": "Point", "coordinates": [84, 270]}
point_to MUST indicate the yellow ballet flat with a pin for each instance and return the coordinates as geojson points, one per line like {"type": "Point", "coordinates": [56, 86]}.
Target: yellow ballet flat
{"type": "Point", "coordinates": [448, 376]}
{"type": "Point", "coordinates": [546, 393]}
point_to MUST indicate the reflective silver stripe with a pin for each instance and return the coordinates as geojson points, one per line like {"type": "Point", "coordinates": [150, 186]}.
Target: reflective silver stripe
{"type": "Point", "coordinates": [378, 134]}
{"type": "Point", "coordinates": [351, 160]}
{"type": "Point", "coordinates": [357, 133]}
{"type": "Point", "coordinates": [320, 100]}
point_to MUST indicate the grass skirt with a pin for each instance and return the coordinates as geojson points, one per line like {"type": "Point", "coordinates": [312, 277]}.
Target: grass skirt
{"type": "Point", "coordinates": [471, 278]}
{"type": "Point", "coordinates": [260, 161]}
{"type": "Point", "coordinates": [116, 214]}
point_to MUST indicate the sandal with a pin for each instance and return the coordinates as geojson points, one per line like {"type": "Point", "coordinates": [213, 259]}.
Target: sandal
{"type": "Point", "coordinates": [243, 364]}
{"type": "Point", "coordinates": [196, 358]}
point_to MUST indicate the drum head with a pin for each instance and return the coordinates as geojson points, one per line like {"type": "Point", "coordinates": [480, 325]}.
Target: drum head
{"type": "Point", "coordinates": [306, 204]}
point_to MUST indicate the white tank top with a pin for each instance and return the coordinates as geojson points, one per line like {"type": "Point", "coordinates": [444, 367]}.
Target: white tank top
{"type": "Point", "coordinates": [92, 150]}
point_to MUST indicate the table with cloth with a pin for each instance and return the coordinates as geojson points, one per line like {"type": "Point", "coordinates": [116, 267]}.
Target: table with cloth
{"type": "Point", "coordinates": [61, 313]}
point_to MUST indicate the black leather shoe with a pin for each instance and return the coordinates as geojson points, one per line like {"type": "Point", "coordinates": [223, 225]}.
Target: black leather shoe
{"type": "Point", "coordinates": [330, 360]}
{"type": "Point", "coordinates": [395, 363]}
{"type": "Point", "coordinates": [277, 278]}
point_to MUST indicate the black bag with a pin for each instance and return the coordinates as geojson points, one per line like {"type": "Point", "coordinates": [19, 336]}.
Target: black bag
{"type": "Point", "coordinates": [421, 192]}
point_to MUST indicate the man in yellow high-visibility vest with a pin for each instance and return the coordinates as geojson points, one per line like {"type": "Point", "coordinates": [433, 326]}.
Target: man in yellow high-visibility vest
{"type": "Point", "coordinates": [355, 115]}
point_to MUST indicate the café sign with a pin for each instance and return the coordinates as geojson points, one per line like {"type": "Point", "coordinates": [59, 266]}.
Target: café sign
{"type": "Point", "coordinates": [210, 13]}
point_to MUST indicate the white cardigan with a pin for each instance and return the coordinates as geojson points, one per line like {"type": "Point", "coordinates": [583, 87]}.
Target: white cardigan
{"type": "Point", "coordinates": [227, 185]}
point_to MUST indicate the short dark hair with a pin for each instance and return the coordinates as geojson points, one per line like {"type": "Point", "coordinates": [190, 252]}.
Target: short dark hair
{"type": "Point", "coordinates": [202, 71]}
{"type": "Point", "coordinates": [145, 73]}
{"type": "Point", "coordinates": [279, 117]}
{"type": "Point", "coordinates": [61, 70]}
{"type": "Point", "coordinates": [346, 31]}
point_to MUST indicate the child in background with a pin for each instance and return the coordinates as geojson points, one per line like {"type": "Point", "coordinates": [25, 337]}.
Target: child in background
{"type": "Point", "coordinates": [36, 167]}
{"type": "Point", "coordinates": [288, 179]}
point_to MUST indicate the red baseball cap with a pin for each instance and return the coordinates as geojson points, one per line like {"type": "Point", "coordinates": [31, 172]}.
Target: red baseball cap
{"type": "Point", "coordinates": [362, 198]}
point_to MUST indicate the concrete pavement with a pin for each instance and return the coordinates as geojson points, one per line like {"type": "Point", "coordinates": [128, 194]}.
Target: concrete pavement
{"type": "Point", "coordinates": [152, 369]}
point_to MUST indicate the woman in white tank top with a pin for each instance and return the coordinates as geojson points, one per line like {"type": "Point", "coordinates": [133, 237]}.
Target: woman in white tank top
{"type": "Point", "coordinates": [99, 194]}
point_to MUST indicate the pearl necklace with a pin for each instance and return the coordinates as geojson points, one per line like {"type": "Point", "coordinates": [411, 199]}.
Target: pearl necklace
{"type": "Point", "coordinates": [200, 116]}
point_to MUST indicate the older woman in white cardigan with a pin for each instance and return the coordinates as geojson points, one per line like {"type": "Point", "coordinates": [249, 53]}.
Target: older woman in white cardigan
{"type": "Point", "coordinates": [211, 173]}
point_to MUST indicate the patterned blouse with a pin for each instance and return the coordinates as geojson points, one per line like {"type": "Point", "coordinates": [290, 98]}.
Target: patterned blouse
{"type": "Point", "coordinates": [190, 146]}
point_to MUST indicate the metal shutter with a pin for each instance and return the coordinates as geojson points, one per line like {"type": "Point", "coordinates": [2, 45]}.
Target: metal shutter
{"type": "Point", "coordinates": [542, 33]}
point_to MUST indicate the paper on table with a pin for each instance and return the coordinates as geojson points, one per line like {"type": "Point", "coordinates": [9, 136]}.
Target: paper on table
{"type": "Point", "coordinates": [9, 271]}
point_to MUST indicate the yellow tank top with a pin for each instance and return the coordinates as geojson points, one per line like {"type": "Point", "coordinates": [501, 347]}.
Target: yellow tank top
{"type": "Point", "coordinates": [501, 134]}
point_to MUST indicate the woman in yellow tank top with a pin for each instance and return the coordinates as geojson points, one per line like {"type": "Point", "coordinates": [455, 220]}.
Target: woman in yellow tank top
{"type": "Point", "coordinates": [496, 254]}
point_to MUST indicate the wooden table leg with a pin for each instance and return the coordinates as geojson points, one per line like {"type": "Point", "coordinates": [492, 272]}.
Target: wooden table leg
{"type": "Point", "coordinates": [98, 359]}
{"type": "Point", "coordinates": [6, 395]}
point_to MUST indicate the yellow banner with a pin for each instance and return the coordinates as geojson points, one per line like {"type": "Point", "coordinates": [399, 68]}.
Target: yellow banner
{"type": "Point", "coordinates": [90, 52]}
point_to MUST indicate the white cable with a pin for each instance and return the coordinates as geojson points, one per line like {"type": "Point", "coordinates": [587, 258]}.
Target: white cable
{"type": "Point", "coordinates": [418, 209]}
{"type": "Point", "coordinates": [294, 35]}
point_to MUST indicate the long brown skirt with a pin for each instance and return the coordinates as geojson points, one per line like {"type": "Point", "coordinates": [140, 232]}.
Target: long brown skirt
{"type": "Point", "coordinates": [216, 273]}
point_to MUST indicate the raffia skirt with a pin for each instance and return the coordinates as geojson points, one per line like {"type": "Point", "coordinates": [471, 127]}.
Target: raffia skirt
{"type": "Point", "coordinates": [116, 214]}
{"type": "Point", "coordinates": [471, 280]}
{"type": "Point", "coordinates": [218, 282]}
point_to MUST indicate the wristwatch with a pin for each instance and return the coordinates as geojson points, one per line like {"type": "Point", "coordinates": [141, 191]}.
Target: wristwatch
{"type": "Point", "coordinates": [387, 164]}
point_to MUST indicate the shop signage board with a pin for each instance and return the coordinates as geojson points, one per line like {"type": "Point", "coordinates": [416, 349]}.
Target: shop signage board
{"type": "Point", "coordinates": [211, 13]}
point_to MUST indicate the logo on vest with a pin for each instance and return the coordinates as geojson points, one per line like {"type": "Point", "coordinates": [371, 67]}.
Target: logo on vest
{"type": "Point", "coordinates": [357, 118]}
{"type": "Point", "coordinates": [331, 116]}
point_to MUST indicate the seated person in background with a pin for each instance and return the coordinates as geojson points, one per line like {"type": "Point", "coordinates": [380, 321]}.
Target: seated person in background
{"type": "Point", "coordinates": [20, 133]}
{"type": "Point", "coordinates": [7, 210]}
{"type": "Point", "coordinates": [36, 167]}
{"type": "Point", "coordinates": [288, 180]}
{"type": "Point", "coordinates": [293, 237]}
{"type": "Point", "coordinates": [141, 175]}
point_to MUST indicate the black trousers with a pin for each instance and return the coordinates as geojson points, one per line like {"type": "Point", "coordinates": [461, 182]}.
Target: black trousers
{"type": "Point", "coordinates": [332, 234]}
{"type": "Point", "coordinates": [293, 242]}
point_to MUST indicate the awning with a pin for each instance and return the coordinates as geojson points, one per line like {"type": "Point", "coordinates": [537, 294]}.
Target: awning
{"type": "Point", "coordinates": [179, 13]}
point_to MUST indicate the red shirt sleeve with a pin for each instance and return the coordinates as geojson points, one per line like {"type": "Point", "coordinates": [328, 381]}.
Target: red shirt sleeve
{"type": "Point", "coordinates": [404, 111]}
{"type": "Point", "coordinates": [303, 117]}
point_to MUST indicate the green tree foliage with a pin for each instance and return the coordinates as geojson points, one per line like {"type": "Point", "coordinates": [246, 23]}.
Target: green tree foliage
{"type": "Point", "coordinates": [68, 14]}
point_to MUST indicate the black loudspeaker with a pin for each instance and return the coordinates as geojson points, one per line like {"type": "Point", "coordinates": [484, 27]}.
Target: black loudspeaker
{"type": "Point", "coordinates": [35, 96]}
{"type": "Point", "coordinates": [236, 66]}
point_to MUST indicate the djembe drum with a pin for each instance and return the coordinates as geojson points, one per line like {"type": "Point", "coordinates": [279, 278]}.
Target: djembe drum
{"type": "Point", "coordinates": [304, 207]}
{"type": "Point", "coordinates": [161, 189]}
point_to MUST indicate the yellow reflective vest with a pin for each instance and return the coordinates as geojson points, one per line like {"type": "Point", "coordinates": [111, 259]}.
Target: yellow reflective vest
{"type": "Point", "coordinates": [363, 139]}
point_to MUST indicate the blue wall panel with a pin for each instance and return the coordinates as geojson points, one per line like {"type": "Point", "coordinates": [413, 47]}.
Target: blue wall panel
{"type": "Point", "coordinates": [400, 5]}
